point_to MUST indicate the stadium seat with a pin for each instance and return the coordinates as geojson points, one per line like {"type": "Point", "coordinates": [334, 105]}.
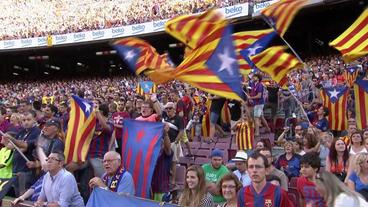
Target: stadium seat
{"type": "Point", "coordinates": [186, 161]}
{"type": "Point", "coordinates": [201, 160]}
{"type": "Point", "coordinates": [222, 146]}
{"type": "Point", "coordinates": [205, 145]}
{"type": "Point", "coordinates": [224, 140]}
{"type": "Point", "coordinates": [194, 145]}
{"type": "Point", "coordinates": [203, 153]}
{"type": "Point", "coordinates": [180, 176]}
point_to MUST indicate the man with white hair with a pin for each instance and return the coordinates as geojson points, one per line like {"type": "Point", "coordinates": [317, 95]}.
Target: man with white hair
{"type": "Point", "coordinates": [115, 178]}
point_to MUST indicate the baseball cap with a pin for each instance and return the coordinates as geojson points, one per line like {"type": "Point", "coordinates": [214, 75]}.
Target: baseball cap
{"type": "Point", "coordinates": [217, 153]}
{"type": "Point", "coordinates": [53, 122]}
{"type": "Point", "coordinates": [240, 156]}
{"type": "Point", "coordinates": [169, 105]}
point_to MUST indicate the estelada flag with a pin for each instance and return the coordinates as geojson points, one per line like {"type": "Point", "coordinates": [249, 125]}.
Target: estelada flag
{"type": "Point", "coordinates": [81, 127]}
{"type": "Point", "coordinates": [335, 99]}
{"type": "Point", "coordinates": [350, 74]}
{"type": "Point", "coordinates": [141, 145]}
{"type": "Point", "coordinates": [353, 43]}
{"type": "Point", "coordinates": [281, 14]}
{"type": "Point", "coordinates": [277, 63]}
{"type": "Point", "coordinates": [361, 103]}
{"type": "Point", "coordinates": [146, 87]}
{"type": "Point", "coordinates": [139, 55]}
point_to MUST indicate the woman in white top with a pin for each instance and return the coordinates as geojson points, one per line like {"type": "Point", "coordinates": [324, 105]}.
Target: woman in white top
{"type": "Point", "coordinates": [337, 194]}
{"type": "Point", "coordinates": [357, 143]}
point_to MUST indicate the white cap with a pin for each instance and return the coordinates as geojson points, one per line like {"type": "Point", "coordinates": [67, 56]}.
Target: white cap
{"type": "Point", "coordinates": [240, 156]}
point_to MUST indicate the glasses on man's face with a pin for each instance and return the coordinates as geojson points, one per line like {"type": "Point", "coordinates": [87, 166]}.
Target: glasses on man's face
{"type": "Point", "coordinates": [109, 161]}
{"type": "Point", "coordinates": [53, 159]}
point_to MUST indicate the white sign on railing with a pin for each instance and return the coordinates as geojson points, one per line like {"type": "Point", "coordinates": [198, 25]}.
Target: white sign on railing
{"type": "Point", "coordinates": [235, 11]}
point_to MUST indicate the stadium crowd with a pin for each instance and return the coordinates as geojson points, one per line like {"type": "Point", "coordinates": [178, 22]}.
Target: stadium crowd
{"type": "Point", "coordinates": [60, 17]}
{"type": "Point", "coordinates": [287, 149]}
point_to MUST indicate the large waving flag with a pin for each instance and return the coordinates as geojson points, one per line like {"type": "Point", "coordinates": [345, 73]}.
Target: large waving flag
{"type": "Point", "coordinates": [350, 74]}
{"type": "Point", "coordinates": [146, 87]}
{"type": "Point", "coordinates": [353, 43]}
{"type": "Point", "coordinates": [335, 99]}
{"type": "Point", "coordinates": [250, 43]}
{"type": "Point", "coordinates": [275, 62]}
{"type": "Point", "coordinates": [105, 198]}
{"type": "Point", "coordinates": [140, 55]}
{"type": "Point", "coordinates": [81, 126]}
{"type": "Point", "coordinates": [361, 103]}
{"type": "Point", "coordinates": [141, 145]}
{"type": "Point", "coordinates": [193, 30]}
{"type": "Point", "coordinates": [282, 13]}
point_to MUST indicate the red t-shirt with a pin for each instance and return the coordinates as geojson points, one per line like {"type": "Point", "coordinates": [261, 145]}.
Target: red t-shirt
{"type": "Point", "coordinates": [118, 118]}
{"type": "Point", "coordinates": [307, 190]}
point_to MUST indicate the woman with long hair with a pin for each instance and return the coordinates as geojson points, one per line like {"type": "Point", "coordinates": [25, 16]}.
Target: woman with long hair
{"type": "Point", "coordinates": [194, 193]}
{"type": "Point", "coordinates": [229, 186]}
{"type": "Point", "coordinates": [357, 143]}
{"type": "Point", "coordinates": [337, 161]}
{"type": "Point", "coordinates": [336, 193]}
{"type": "Point", "coordinates": [358, 180]}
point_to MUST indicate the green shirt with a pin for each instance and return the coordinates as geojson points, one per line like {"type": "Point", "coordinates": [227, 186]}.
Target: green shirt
{"type": "Point", "coordinates": [6, 159]}
{"type": "Point", "coordinates": [213, 176]}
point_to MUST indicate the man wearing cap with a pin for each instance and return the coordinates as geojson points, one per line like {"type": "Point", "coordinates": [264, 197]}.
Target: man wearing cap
{"type": "Point", "coordinates": [214, 171]}
{"type": "Point", "coordinates": [240, 161]}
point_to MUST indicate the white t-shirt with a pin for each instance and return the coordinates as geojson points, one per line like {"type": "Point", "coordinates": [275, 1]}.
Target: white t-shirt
{"type": "Point", "coordinates": [344, 200]}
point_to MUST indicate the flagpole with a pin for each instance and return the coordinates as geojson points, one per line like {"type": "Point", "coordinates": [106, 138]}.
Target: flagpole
{"type": "Point", "coordinates": [298, 57]}
{"type": "Point", "coordinates": [291, 48]}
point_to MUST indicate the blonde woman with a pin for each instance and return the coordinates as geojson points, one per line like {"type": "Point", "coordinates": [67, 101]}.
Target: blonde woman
{"type": "Point", "coordinates": [336, 194]}
{"type": "Point", "coordinates": [358, 179]}
{"type": "Point", "coordinates": [195, 194]}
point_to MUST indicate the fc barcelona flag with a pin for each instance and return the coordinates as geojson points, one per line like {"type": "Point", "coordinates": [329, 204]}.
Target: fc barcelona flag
{"type": "Point", "coordinates": [105, 198]}
{"type": "Point", "coordinates": [361, 103]}
{"type": "Point", "coordinates": [141, 145]}
{"type": "Point", "coordinates": [335, 99]}
{"type": "Point", "coordinates": [146, 87]}
{"type": "Point", "coordinates": [81, 126]}
{"type": "Point", "coordinates": [350, 75]}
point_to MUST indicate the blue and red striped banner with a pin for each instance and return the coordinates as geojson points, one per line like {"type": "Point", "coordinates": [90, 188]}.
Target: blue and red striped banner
{"type": "Point", "coordinates": [141, 145]}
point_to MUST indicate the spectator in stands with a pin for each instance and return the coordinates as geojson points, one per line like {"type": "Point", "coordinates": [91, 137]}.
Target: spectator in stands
{"type": "Point", "coordinates": [338, 159]}
{"type": "Point", "coordinates": [64, 115]}
{"type": "Point", "coordinates": [150, 110]}
{"type": "Point", "coordinates": [357, 144]}
{"type": "Point", "coordinates": [241, 173]}
{"type": "Point", "coordinates": [118, 118]}
{"type": "Point", "coordinates": [194, 193]}
{"type": "Point", "coordinates": [357, 181]}
{"type": "Point", "coordinates": [289, 162]}
{"type": "Point", "coordinates": [161, 175]}
{"type": "Point", "coordinates": [33, 192]}
{"type": "Point", "coordinates": [260, 192]}
{"type": "Point", "coordinates": [271, 170]}
{"type": "Point", "coordinates": [213, 173]}
{"type": "Point", "coordinates": [322, 122]}
{"type": "Point", "coordinates": [257, 101]}
{"type": "Point", "coordinates": [102, 138]}
{"type": "Point", "coordinates": [244, 130]}
{"type": "Point", "coordinates": [336, 193]}
{"type": "Point", "coordinates": [217, 103]}
{"type": "Point", "coordinates": [229, 186]}
{"type": "Point", "coordinates": [4, 123]}
{"type": "Point", "coordinates": [306, 183]}
{"type": "Point", "coordinates": [273, 180]}
{"type": "Point", "coordinates": [6, 158]}
{"type": "Point", "coordinates": [298, 147]}
{"type": "Point", "coordinates": [25, 140]}
{"type": "Point", "coordinates": [59, 187]}
{"type": "Point", "coordinates": [115, 178]}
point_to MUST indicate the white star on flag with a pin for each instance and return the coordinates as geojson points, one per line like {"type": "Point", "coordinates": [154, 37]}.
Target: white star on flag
{"type": "Point", "coordinates": [129, 55]}
{"type": "Point", "coordinates": [252, 50]}
{"type": "Point", "coordinates": [226, 61]}
{"type": "Point", "coordinates": [88, 107]}
{"type": "Point", "coordinates": [333, 93]}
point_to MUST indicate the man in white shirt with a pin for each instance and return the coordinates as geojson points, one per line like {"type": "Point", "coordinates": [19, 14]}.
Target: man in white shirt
{"type": "Point", "coordinates": [240, 161]}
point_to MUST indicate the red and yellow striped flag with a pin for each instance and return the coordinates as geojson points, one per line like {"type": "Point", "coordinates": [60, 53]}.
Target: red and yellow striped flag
{"type": "Point", "coordinates": [361, 103]}
{"type": "Point", "coordinates": [353, 43]}
{"type": "Point", "coordinates": [244, 135]}
{"type": "Point", "coordinates": [81, 127]}
{"type": "Point", "coordinates": [192, 30]}
{"type": "Point", "coordinates": [276, 63]}
{"type": "Point", "coordinates": [225, 114]}
{"type": "Point", "coordinates": [350, 75]}
{"type": "Point", "coordinates": [140, 55]}
{"type": "Point", "coordinates": [242, 41]}
{"type": "Point", "coordinates": [335, 99]}
{"type": "Point", "coordinates": [282, 13]}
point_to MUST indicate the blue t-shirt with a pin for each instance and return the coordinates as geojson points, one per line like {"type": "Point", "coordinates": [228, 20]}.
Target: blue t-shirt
{"type": "Point", "coordinates": [359, 185]}
{"type": "Point", "coordinates": [322, 124]}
